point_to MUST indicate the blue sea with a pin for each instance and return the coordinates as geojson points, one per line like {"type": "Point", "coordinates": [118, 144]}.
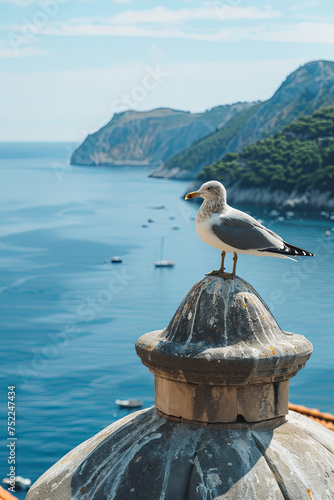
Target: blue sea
{"type": "Point", "coordinates": [70, 318]}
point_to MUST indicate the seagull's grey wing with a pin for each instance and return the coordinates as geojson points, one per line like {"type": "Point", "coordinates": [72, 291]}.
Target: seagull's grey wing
{"type": "Point", "coordinates": [241, 231]}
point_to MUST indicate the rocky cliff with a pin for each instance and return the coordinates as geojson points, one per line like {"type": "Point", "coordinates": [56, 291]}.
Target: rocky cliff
{"type": "Point", "coordinates": [151, 137]}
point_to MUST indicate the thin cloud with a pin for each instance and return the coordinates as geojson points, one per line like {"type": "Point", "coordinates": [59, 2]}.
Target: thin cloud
{"type": "Point", "coordinates": [9, 53]}
{"type": "Point", "coordinates": [163, 15]}
{"type": "Point", "coordinates": [305, 5]}
{"type": "Point", "coordinates": [18, 3]}
{"type": "Point", "coordinates": [306, 32]}
{"type": "Point", "coordinates": [161, 22]}
{"type": "Point", "coordinates": [158, 22]}
{"type": "Point", "coordinates": [25, 3]}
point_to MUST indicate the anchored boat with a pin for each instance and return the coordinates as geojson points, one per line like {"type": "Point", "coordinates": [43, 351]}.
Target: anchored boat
{"type": "Point", "coordinates": [161, 262]}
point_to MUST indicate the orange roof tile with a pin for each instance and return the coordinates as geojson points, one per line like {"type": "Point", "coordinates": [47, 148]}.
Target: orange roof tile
{"type": "Point", "coordinates": [325, 419]}
{"type": "Point", "coordinates": [6, 495]}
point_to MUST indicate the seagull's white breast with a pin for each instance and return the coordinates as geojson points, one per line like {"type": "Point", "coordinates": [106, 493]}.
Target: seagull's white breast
{"type": "Point", "coordinates": [205, 232]}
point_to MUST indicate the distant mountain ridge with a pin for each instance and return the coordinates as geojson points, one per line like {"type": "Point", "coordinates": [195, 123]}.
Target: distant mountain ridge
{"type": "Point", "coordinates": [304, 91]}
{"type": "Point", "coordinates": [151, 137]}
{"type": "Point", "coordinates": [181, 143]}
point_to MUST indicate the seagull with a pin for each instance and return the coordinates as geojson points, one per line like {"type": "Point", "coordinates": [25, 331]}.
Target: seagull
{"type": "Point", "coordinates": [232, 230]}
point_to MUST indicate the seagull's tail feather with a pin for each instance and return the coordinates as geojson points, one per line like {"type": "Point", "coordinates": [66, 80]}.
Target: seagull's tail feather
{"type": "Point", "coordinates": [289, 250]}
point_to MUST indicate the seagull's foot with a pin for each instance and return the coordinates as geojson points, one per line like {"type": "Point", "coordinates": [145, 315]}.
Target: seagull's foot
{"type": "Point", "coordinates": [215, 273]}
{"type": "Point", "coordinates": [221, 274]}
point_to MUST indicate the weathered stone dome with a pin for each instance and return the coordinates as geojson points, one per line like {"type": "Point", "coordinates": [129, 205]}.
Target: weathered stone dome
{"type": "Point", "coordinates": [221, 427]}
{"type": "Point", "coordinates": [146, 457]}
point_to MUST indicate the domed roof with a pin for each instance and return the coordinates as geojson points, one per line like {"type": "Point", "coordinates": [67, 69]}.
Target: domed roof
{"type": "Point", "coordinates": [220, 428]}
{"type": "Point", "coordinates": [145, 457]}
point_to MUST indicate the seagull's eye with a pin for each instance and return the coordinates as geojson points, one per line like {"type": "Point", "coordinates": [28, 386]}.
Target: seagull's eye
{"type": "Point", "coordinates": [209, 189]}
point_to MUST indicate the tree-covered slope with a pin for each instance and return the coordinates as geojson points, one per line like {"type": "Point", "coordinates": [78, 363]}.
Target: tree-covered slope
{"type": "Point", "coordinates": [305, 90]}
{"type": "Point", "coordinates": [298, 159]}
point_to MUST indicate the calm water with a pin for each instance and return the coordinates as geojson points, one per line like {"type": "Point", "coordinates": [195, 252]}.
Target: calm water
{"type": "Point", "coordinates": [69, 321]}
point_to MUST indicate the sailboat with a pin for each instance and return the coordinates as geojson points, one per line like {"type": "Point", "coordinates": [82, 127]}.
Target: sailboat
{"type": "Point", "coordinates": [161, 262]}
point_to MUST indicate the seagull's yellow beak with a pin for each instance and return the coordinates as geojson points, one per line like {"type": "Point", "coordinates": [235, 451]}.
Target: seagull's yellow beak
{"type": "Point", "coordinates": [194, 194]}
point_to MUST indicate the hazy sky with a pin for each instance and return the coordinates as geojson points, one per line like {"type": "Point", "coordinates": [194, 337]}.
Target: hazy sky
{"type": "Point", "coordinates": [68, 65]}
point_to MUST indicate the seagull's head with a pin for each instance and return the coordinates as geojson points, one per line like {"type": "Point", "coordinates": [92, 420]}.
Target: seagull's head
{"type": "Point", "coordinates": [210, 191]}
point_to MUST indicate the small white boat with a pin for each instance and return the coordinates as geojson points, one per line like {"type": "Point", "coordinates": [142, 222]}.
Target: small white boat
{"type": "Point", "coordinates": [116, 260]}
{"type": "Point", "coordinates": [164, 263]}
{"type": "Point", "coordinates": [161, 262]}
{"type": "Point", "coordinates": [20, 482]}
{"type": "Point", "coordinates": [129, 403]}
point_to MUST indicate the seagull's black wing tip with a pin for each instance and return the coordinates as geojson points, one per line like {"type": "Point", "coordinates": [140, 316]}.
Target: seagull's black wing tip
{"type": "Point", "coordinates": [289, 249]}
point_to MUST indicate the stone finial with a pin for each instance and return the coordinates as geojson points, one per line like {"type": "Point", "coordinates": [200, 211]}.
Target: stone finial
{"type": "Point", "coordinates": [223, 358]}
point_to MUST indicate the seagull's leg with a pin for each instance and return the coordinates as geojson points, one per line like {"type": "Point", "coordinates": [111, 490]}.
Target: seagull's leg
{"type": "Point", "coordinates": [222, 263]}
{"type": "Point", "coordinates": [230, 276]}
{"type": "Point", "coordinates": [235, 258]}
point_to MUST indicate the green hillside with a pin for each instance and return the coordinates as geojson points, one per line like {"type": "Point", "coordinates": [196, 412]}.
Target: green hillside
{"type": "Point", "coordinates": [300, 157]}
